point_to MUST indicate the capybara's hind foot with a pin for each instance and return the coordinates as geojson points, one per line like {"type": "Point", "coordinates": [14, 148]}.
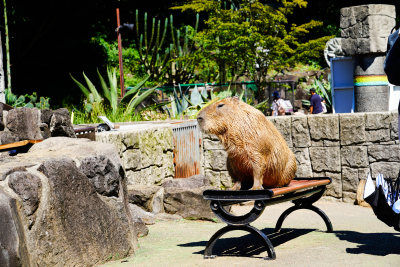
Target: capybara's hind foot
{"type": "Point", "coordinates": [236, 186]}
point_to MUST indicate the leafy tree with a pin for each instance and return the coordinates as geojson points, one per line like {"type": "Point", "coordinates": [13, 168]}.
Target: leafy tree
{"type": "Point", "coordinates": [254, 36]}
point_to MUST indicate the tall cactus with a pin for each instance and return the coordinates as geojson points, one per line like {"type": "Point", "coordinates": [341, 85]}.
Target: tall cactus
{"type": "Point", "coordinates": [165, 62]}
{"type": "Point", "coordinates": [182, 64]}
{"type": "Point", "coordinates": [152, 52]}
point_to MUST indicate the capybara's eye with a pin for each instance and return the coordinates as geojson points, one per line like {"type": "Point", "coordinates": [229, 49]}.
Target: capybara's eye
{"type": "Point", "coordinates": [220, 105]}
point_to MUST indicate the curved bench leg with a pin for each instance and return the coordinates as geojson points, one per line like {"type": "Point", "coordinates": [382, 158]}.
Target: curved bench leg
{"type": "Point", "coordinates": [309, 207]}
{"type": "Point", "coordinates": [267, 243]}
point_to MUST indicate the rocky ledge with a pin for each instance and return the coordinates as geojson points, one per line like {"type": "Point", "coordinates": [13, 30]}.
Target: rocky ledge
{"type": "Point", "coordinates": [64, 203]}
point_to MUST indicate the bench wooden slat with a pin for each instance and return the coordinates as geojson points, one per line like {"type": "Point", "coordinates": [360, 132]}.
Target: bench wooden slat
{"type": "Point", "coordinates": [263, 194]}
{"type": "Point", "coordinates": [18, 144]}
{"type": "Point", "coordinates": [299, 184]}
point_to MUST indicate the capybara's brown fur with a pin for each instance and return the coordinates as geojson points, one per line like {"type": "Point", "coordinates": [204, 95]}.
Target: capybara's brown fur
{"type": "Point", "coordinates": [257, 152]}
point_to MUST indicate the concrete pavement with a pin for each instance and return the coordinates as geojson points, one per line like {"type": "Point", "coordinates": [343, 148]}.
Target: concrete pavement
{"type": "Point", "coordinates": [359, 239]}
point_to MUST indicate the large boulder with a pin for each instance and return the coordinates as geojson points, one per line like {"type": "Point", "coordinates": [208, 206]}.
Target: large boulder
{"type": "Point", "coordinates": [64, 203]}
{"type": "Point", "coordinates": [24, 123]}
{"type": "Point", "coordinates": [12, 243]}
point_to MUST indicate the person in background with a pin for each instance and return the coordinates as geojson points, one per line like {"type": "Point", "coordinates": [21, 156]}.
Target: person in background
{"type": "Point", "coordinates": [315, 102]}
{"type": "Point", "coordinates": [323, 103]}
{"type": "Point", "coordinates": [277, 104]}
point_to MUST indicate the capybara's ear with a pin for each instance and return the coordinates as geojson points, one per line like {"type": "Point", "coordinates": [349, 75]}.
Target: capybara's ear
{"type": "Point", "coordinates": [235, 99]}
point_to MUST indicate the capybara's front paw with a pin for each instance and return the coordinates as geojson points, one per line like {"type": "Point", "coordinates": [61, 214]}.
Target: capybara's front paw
{"type": "Point", "coordinates": [257, 187]}
{"type": "Point", "coordinates": [236, 186]}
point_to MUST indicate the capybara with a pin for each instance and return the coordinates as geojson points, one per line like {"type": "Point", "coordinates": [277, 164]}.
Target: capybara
{"type": "Point", "coordinates": [258, 156]}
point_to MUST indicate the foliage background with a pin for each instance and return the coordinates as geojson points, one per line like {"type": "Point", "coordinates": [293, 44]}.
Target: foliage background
{"type": "Point", "coordinates": [50, 39]}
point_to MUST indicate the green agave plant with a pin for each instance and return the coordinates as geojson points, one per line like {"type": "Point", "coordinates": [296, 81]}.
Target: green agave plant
{"type": "Point", "coordinates": [110, 93]}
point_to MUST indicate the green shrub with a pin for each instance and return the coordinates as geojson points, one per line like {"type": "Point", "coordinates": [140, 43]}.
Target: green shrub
{"type": "Point", "coordinates": [29, 101]}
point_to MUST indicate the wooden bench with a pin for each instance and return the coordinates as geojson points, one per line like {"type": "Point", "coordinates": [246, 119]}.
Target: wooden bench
{"type": "Point", "coordinates": [18, 145]}
{"type": "Point", "coordinates": [303, 192]}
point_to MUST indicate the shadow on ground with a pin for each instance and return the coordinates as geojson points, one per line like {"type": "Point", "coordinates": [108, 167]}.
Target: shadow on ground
{"type": "Point", "coordinates": [249, 245]}
{"type": "Point", "coordinates": [378, 244]}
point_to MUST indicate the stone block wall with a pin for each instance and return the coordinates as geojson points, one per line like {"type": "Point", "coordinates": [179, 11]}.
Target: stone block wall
{"type": "Point", "coordinates": [364, 29]}
{"type": "Point", "coordinates": [146, 155]}
{"type": "Point", "coordinates": [345, 147]}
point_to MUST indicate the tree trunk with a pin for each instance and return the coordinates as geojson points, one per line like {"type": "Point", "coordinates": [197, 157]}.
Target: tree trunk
{"type": "Point", "coordinates": [7, 47]}
{"type": "Point", "coordinates": [2, 83]}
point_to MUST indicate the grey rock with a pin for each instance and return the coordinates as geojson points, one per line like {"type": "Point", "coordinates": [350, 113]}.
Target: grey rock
{"type": "Point", "coordinates": [28, 187]}
{"type": "Point", "coordinates": [153, 143]}
{"type": "Point", "coordinates": [44, 130]}
{"type": "Point", "coordinates": [330, 127]}
{"type": "Point", "coordinates": [7, 137]}
{"type": "Point", "coordinates": [214, 177]}
{"type": "Point", "coordinates": [349, 197]}
{"type": "Point", "coordinates": [13, 251]}
{"type": "Point", "coordinates": [300, 132]}
{"type": "Point", "coordinates": [140, 227]}
{"type": "Point", "coordinates": [284, 126]}
{"type": "Point", "coordinates": [130, 140]}
{"type": "Point", "coordinates": [194, 181]}
{"type": "Point", "coordinates": [216, 160]}
{"type": "Point", "coordinates": [157, 202]}
{"type": "Point", "coordinates": [377, 120]}
{"type": "Point", "coordinates": [167, 217]}
{"type": "Point", "coordinates": [112, 137]}
{"type": "Point", "coordinates": [364, 28]}
{"type": "Point", "coordinates": [225, 180]}
{"type": "Point", "coordinates": [303, 162]}
{"type": "Point", "coordinates": [1, 118]}
{"type": "Point", "coordinates": [138, 224]}
{"type": "Point", "coordinates": [76, 219]}
{"type": "Point", "coordinates": [4, 174]}
{"type": "Point", "coordinates": [352, 129]}
{"type": "Point", "coordinates": [75, 148]}
{"type": "Point", "coordinates": [188, 203]}
{"type": "Point", "coordinates": [5, 114]}
{"type": "Point", "coordinates": [60, 124]}
{"type": "Point", "coordinates": [212, 144]}
{"type": "Point", "coordinates": [377, 136]}
{"type": "Point", "coordinates": [103, 175]}
{"type": "Point", "coordinates": [354, 156]}
{"type": "Point", "coordinates": [388, 169]}
{"type": "Point", "coordinates": [131, 159]}
{"type": "Point", "coordinates": [350, 179]}
{"type": "Point", "coordinates": [383, 153]}
{"type": "Point", "coordinates": [394, 126]}
{"type": "Point", "coordinates": [142, 195]}
{"type": "Point", "coordinates": [138, 212]}
{"type": "Point", "coordinates": [325, 159]}
{"type": "Point", "coordinates": [335, 189]}
{"type": "Point", "coordinates": [24, 123]}
{"type": "Point", "coordinates": [45, 116]}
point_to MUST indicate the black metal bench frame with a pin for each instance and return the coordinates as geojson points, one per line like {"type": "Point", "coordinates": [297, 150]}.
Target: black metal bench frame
{"type": "Point", "coordinates": [302, 199]}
